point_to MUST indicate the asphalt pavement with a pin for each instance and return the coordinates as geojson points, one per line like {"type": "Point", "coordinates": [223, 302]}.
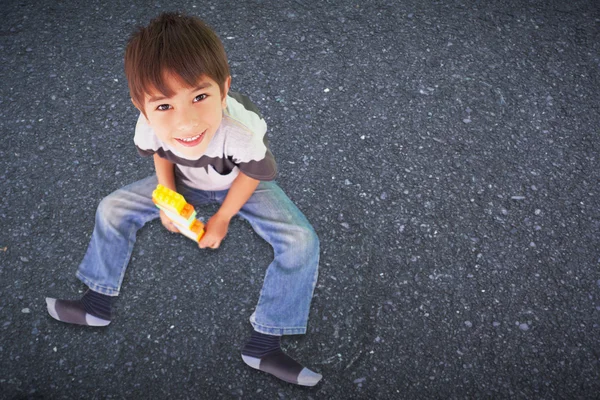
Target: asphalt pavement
{"type": "Point", "coordinates": [446, 153]}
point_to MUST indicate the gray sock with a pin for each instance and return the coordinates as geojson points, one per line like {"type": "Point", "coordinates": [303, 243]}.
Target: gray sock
{"type": "Point", "coordinates": [93, 309]}
{"type": "Point", "coordinates": [263, 352]}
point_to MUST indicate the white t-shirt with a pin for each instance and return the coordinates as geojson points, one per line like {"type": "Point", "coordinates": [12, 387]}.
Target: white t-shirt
{"type": "Point", "coordinates": [239, 144]}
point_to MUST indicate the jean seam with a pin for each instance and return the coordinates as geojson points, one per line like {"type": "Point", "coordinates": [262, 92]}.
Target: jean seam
{"type": "Point", "coordinates": [262, 289]}
{"type": "Point", "coordinates": [279, 327]}
{"type": "Point", "coordinates": [127, 258]}
{"type": "Point", "coordinates": [132, 231]}
{"type": "Point", "coordinates": [88, 281]}
{"type": "Point", "coordinates": [279, 331]}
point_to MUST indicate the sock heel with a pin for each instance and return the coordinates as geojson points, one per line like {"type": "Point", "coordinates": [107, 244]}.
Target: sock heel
{"type": "Point", "coordinates": [95, 321]}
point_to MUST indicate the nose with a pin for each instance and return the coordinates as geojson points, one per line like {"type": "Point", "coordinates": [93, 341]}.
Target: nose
{"type": "Point", "coordinates": [187, 119]}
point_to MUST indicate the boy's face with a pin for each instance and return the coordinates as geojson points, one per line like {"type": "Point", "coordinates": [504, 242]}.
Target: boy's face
{"type": "Point", "coordinates": [189, 119]}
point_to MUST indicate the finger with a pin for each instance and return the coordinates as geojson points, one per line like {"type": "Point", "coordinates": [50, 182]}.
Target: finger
{"type": "Point", "coordinates": [209, 243]}
{"type": "Point", "coordinates": [171, 227]}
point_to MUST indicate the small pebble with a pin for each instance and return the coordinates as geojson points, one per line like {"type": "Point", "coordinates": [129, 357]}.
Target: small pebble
{"type": "Point", "coordinates": [26, 311]}
{"type": "Point", "coordinates": [468, 324]}
{"type": "Point", "coordinates": [524, 327]}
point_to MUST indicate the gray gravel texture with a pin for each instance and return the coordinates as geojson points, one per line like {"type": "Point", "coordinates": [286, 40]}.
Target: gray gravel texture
{"type": "Point", "coordinates": [446, 152]}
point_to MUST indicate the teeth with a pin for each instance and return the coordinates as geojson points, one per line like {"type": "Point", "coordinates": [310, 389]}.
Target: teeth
{"type": "Point", "coordinates": [190, 139]}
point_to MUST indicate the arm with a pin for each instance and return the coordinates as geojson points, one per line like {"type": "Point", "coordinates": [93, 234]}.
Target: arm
{"type": "Point", "coordinates": [216, 228]}
{"type": "Point", "coordinates": [165, 173]}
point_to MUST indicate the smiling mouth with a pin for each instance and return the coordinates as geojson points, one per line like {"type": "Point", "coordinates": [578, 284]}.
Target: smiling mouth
{"type": "Point", "coordinates": [192, 140]}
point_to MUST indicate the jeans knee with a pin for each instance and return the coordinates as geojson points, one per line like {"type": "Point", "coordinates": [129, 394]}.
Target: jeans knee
{"type": "Point", "coordinates": [307, 240]}
{"type": "Point", "coordinates": [108, 211]}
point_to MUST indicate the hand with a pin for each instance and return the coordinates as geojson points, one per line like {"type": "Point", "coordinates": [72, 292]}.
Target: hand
{"type": "Point", "coordinates": [215, 231]}
{"type": "Point", "coordinates": [167, 223]}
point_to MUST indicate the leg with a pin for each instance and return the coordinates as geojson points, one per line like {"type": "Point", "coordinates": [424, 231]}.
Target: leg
{"type": "Point", "coordinates": [284, 302]}
{"type": "Point", "coordinates": [118, 218]}
{"type": "Point", "coordinates": [285, 298]}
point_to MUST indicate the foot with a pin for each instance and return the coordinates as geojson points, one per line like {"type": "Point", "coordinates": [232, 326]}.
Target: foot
{"type": "Point", "coordinates": [263, 352]}
{"type": "Point", "coordinates": [92, 310]}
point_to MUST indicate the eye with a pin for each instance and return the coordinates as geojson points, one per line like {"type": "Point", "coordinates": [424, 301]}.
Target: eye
{"type": "Point", "coordinates": [163, 107]}
{"type": "Point", "coordinates": [200, 97]}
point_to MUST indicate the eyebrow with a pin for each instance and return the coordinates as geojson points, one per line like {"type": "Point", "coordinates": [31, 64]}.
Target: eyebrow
{"type": "Point", "coordinates": [201, 86]}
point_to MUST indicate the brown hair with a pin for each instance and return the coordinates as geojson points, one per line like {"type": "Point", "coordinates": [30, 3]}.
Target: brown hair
{"type": "Point", "coordinates": [176, 43]}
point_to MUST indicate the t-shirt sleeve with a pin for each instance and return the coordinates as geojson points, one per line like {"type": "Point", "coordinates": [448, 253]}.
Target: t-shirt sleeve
{"type": "Point", "coordinates": [256, 160]}
{"type": "Point", "coordinates": [248, 147]}
{"type": "Point", "coordinates": [144, 139]}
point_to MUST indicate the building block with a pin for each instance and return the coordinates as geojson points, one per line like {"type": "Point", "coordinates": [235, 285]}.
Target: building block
{"type": "Point", "coordinates": [180, 212]}
{"type": "Point", "coordinates": [171, 200]}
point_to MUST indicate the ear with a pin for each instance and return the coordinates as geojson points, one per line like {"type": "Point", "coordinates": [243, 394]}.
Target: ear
{"type": "Point", "coordinates": [226, 87]}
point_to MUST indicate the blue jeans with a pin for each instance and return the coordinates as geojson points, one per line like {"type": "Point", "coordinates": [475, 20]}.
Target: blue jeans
{"type": "Point", "coordinates": [285, 297]}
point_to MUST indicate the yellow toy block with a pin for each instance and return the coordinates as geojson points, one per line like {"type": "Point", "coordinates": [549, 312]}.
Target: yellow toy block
{"type": "Point", "coordinates": [179, 212]}
{"type": "Point", "coordinates": [171, 200]}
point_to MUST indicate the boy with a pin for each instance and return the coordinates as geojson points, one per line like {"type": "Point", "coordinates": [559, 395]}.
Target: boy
{"type": "Point", "coordinates": [210, 146]}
